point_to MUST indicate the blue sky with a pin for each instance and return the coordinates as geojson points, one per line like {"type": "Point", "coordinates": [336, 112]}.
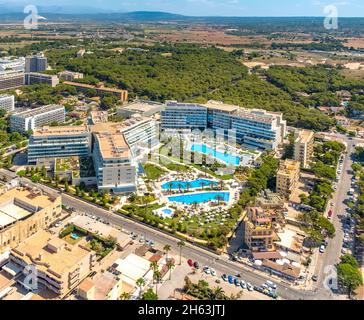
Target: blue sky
{"type": "Point", "coordinates": [347, 8]}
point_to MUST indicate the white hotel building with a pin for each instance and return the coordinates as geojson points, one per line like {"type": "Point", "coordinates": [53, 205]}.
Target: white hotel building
{"type": "Point", "coordinates": [7, 102]}
{"type": "Point", "coordinates": [253, 127]}
{"type": "Point", "coordinates": [38, 117]}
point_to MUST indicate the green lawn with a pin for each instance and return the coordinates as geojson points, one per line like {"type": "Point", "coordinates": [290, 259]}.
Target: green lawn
{"type": "Point", "coordinates": [153, 172]}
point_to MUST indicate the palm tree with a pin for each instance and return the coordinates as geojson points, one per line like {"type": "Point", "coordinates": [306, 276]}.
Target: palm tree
{"type": "Point", "coordinates": [219, 199]}
{"type": "Point", "coordinates": [154, 266]}
{"type": "Point", "coordinates": [188, 186]}
{"type": "Point", "coordinates": [202, 184]}
{"type": "Point", "coordinates": [217, 293]}
{"type": "Point", "coordinates": [179, 187]}
{"type": "Point", "coordinates": [221, 184]}
{"type": "Point", "coordinates": [125, 296]}
{"type": "Point", "coordinates": [170, 265]}
{"type": "Point", "coordinates": [156, 277]}
{"type": "Point", "coordinates": [180, 245]}
{"type": "Point", "coordinates": [166, 249]}
{"type": "Point", "coordinates": [170, 185]}
{"type": "Point", "coordinates": [140, 283]}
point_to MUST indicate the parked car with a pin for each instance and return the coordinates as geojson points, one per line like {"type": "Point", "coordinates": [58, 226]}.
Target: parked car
{"type": "Point", "coordinates": [271, 284]}
{"type": "Point", "coordinates": [230, 279]}
{"type": "Point", "coordinates": [224, 277]}
{"type": "Point", "coordinates": [190, 262]}
{"type": "Point", "coordinates": [314, 278]}
{"type": "Point", "coordinates": [207, 270]}
{"type": "Point", "coordinates": [236, 282]}
{"type": "Point", "coordinates": [250, 286]}
{"type": "Point", "coordinates": [213, 272]}
{"type": "Point", "coordinates": [322, 249]}
{"type": "Point", "coordinates": [243, 284]}
{"type": "Point", "coordinates": [196, 265]}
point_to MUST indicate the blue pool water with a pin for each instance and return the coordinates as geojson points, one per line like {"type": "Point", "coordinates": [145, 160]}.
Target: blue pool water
{"type": "Point", "coordinates": [74, 236]}
{"type": "Point", "coordinates": [200, 197]}
{"type": "Point", "coordinates": [192, 184]}
{"type": "Point", "coordinates": [167, 211]}
{"type": "Point", "coordinates": [225, 157]}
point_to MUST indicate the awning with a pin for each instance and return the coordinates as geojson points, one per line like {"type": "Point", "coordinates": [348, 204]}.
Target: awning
{"type": "Point", "coordinates": [266, 255]}
{"type": "Point", "coordinates": [12, 269]}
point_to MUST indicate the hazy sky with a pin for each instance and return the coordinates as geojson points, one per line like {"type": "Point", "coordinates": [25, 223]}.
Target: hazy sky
{"type": "Point", "coordinates": [348, 8]}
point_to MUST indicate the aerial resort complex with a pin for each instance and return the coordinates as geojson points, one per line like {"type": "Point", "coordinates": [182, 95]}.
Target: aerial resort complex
{"type": "Point", "coordinates": [156, 156]}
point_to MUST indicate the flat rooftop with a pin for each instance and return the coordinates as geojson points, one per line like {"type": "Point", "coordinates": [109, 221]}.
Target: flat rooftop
{"type": "Point", "coordinates": [217, 105]}
{"type": "Point", "coordinates": [142, 106]}
{"type": "Point", "coordinates": [40, 110]}
{"type": "Point", "coordinates": [20, 203]}
{"type": "Point", "coordinates": [112, 145]}
{"type": "Point", "coordinates": [36, 248]}
{"type": "Point", "coordinates": [288, 167]}
{"type": "Point", "coordinates": [60, 131]}
{"type": "Point", "coordinates": [304, 136]}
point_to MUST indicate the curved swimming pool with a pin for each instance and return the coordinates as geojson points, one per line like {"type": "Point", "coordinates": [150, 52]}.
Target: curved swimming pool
{"type": "Point", "coordinates": [201, 197]}
{"type": "Point", "coordinates": [199, 183]}
{"type": "Point", "coordinates": [229, 159]}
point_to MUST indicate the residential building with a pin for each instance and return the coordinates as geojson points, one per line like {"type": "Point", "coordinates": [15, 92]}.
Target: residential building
{"type": "Point", "coordinates": [259, 230]}
{"type": "Point", "coordinates": [103, 286]}
{"type": "Point", "coordinates": [70, 75]}
{"type": "Point", "coordinates": [142, 107]}
{"type": "Point", "coordinates": [23, 212]}
{"type": "Point", "coordinates": [100, 90]}
{"type": "Point", "coordinates": [36, 63]}
{"type": "Point", "coordinates": [7, 102]}
{"type": "Point", "coordinates": [140, 133]}
{"type": "Point", "coordinates": [303, 147]}
{"type": "Point", "coordinates": [287, 177]}
{"type": "Point", "coordinates": [11, 79]}
{"type": "Point", "coordinates": [38, 117]}
{"type": "Point", "coordinates": [35, 77]}
{"type": "Point", "coordinates": [59, 142]}
{"type": "Point", "coordinates": [342, 120]}
{"type": "Point", "coordinates": [114, 167]}
{"type": "Point", "coordinates": [98, 117]}
{"type": "Point", "coordinates": [252, 127]}
{"type": "Point", "coordinates": [60, 266]}
{"type": "Point", "coordinates": [10, 64]}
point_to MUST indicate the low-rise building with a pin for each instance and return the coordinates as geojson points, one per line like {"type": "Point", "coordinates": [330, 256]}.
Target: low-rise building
{"type": "Point", "coordinates": [7, 102]}
{"type": "Point", "coordinates": [35, 78]}
{"type": "Point", "coordinates": [60, 266]}
{"type": "Point", "coordinates": [141, 107]}
{"type": "Point", "coordinates": [23, 212]}
{"type": "Point", "coordinates": [303, 147]}
{"type": "Point", "coordinates": [100, 90]}
{"type": "Point", "coordinates": [97, 116]}
{"type": "Point", "coordinates": [35, 118]}
{"type": "Point", "coordinates": [70, 75]}
{"type": "Point", "coordinates": [287, 177]}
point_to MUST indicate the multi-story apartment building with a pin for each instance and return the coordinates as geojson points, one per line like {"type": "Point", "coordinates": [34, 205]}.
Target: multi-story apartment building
{"type": "Point", "coordinates": [59, 142]}
{"type": "Point", "coordinates": [60, 266]}
{"type": "Point", "coordinates": [100, 90]}
{"type": "Point", "coordinates": [259, 230]}
{"type": "Point", "coordinates": [12, 64]}
{"type": "Point", "coordinates": [287, 177]}
{"type": "Point", "coordinates": [252, 127]}
{"type": "Point", "coordinates": [7, 102]}
{"type": "Point", "coordinates": [24, 211]}
{"type": "Point", "coordinates": [140, 133]}
{"type": "Point", "coordinates": [36, 63]}
{"type": "Point", "coordinates": [38, 117]}
{"type": "Point", "coordinates": [113, 163]}
{"type": "Point", "coordinates": [34, 78]}
{"type": "Point", "coordinates": [70, 75]}
{"type": "Point", "coordinates": [303, 147]}
{"type": "Point", "coordinates": [11, 79]}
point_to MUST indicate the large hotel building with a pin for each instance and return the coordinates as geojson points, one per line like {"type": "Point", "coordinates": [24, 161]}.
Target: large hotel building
{"type": "Point", "coordinates": [59, 142]}
{"type": "Point", "coordinates": [252, 127]}
{"type": "Point", "coordinates": [112, 147]}
{"type": "Point", "coordinates": [35, 118]}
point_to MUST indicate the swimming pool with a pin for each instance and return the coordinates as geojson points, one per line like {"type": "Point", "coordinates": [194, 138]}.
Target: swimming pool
{"type": "Point", "coordinates": [199, 183]}
{"type": "Point", "coordinates": [164, 212]}
{"type": "Point", "coordinates": [225, 157]}
{"type": "Point", "coordinates": [74, 236]}
{"type": "Point", "coordinates": [167, 211]}
{"type": "Point", "coordinates": [200, 197]}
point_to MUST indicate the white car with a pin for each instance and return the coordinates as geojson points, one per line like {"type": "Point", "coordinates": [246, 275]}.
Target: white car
{"type": "Point", "coordinates": [213, 272]}
{"type": "Point", "coordinates": [322, 249]}
{"type": "Point", "coordinates": [271, 284]}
